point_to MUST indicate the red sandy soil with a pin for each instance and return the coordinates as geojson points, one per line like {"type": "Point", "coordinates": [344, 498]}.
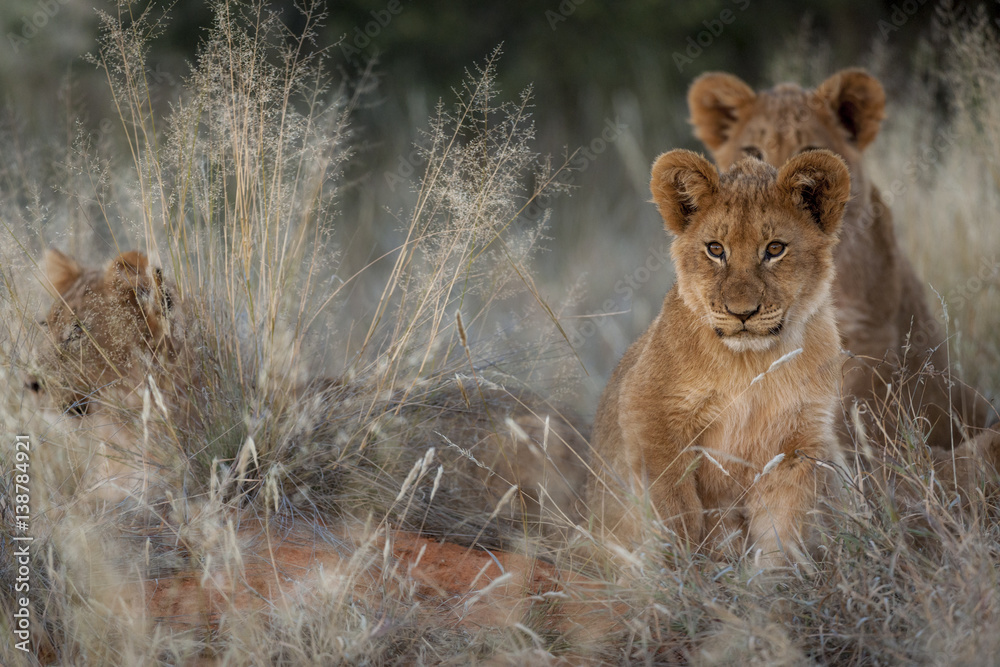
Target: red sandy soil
{"type": "Point", "coordinates": [454, 585]}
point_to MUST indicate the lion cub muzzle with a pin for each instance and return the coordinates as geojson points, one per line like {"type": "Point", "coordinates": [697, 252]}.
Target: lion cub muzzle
{"type": "Point", "coordinates": [740, 313]}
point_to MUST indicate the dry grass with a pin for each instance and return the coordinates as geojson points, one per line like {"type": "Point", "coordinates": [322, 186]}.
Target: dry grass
{"type": "Point", "coordinates": [235, 193]}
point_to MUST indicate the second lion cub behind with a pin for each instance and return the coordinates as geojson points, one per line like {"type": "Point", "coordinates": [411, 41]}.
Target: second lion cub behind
{"type": "Point", "coordinates": [714, 418]}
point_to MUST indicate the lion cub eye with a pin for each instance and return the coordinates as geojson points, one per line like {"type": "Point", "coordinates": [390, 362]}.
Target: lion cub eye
{"type": "Point", "coordinates": [753, 152]}
{"type": "Point", "coordinates": [73, 333]}
{"type": "Point", "coordinates": [715, 250]}
{"type": "Point", "coordinates": [774, 249]}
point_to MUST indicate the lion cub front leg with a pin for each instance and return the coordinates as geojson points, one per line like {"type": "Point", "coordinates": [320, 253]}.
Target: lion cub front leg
{"type": "Point", "coordinates": [780, 501]}
{"type": "Point", "coordinates": [667, 471]}
{"type": "Point", "coordinates": [677, 504]}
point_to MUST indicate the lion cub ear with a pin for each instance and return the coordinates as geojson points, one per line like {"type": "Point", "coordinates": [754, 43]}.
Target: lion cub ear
{"type": "Point", "coordinates": [61, 270]}
{"type": "Point", "coordinates": [715, 100]}
{"type": "Point", "coordinates": [858, 102]}
{"type": "Point", "coordinates": [125, 270]}
{"type": "Point", "coordinates": [818, 183]}
{"type": "Point", "coordinates": [683, 183]}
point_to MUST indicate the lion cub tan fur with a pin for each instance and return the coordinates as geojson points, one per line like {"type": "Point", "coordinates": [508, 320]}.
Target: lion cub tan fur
{"type": "Point", "coordinates": [715, 417]}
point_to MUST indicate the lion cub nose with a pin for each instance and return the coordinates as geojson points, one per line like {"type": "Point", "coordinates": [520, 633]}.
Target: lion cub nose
{"type": "Point", "coordinates": [742, 313]}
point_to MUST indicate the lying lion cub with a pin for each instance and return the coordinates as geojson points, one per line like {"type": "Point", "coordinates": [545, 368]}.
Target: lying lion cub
{"type": "Point", "coordinates": [110, 328]}
{"type": "Point", "coordinates": [716, 415]}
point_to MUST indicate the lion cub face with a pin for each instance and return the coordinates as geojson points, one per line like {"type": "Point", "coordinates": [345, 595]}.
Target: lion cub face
{"type": "Point", "coordinates": [100, 324]}
{"type": "Point", "coordinates": [753, 248]}
{"type": "Point", "coordinates": [842, 114]}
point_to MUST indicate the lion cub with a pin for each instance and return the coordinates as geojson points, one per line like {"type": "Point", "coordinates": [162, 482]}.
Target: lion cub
{"type": "Point", "coordinates": [101, 323]}
{"type": "Point", "coordinates": [715, 417]}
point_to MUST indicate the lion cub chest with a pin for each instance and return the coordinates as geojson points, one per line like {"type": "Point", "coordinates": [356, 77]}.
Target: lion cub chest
{"type": "Point", "coordinates": [747, 431]}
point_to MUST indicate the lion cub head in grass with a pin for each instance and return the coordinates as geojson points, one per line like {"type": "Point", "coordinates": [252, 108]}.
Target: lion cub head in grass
{"type": "Point", "coordinates": [102, 324]}
{"type": "Point", "coordinates": [714, 419]}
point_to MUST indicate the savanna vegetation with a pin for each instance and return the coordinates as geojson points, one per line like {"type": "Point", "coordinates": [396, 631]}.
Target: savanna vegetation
{"type": "Point", "coordinates": [373, 285]}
